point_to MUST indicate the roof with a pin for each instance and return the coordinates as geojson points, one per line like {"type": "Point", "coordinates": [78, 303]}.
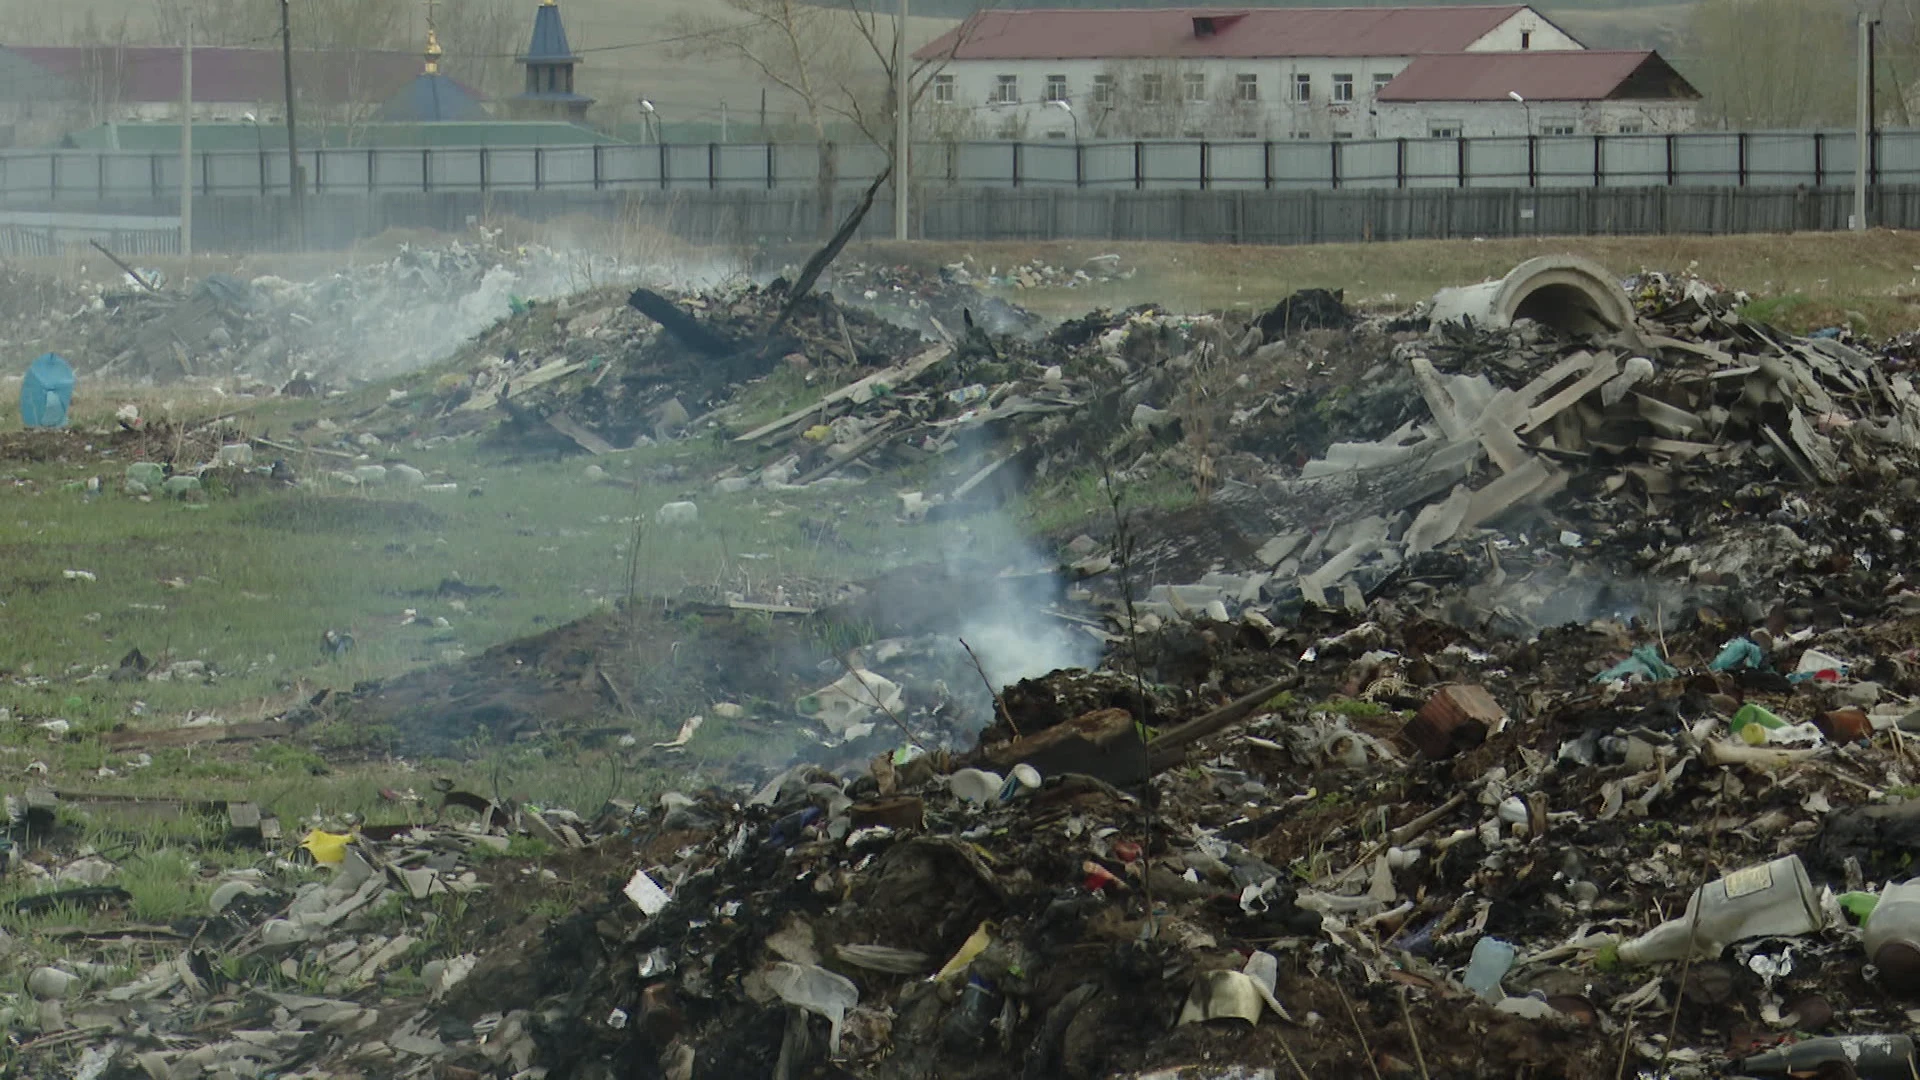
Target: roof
{"type": "Point", "coordinates": [1592, 75]}
{"type": "Point", "coordinates": [152, 73]}
{"type": "Point", "coordinates": [431, 99]}
{"type": "Point", "coordinates": [1078, 34]}
{"type": "Point", "coordinates": [549, 44]}
{"type": "Point", "coordinates": [165, 138]}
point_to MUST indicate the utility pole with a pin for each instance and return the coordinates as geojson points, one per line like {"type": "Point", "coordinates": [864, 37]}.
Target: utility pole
{"type": "Point", "coordinates": [902, 147]}
{"type": "Point", "coordinates": [723, 121]}
{"type": "Point", "coordinates": [294, 187]}
{"type": "Point", "coordinates": [1861, 123]}
{"type": "Point", "coordinates": [186, 141]}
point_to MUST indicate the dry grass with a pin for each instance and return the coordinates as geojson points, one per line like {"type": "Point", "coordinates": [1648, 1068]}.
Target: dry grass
{"type": "Point", "coordinates": [1819, 277]}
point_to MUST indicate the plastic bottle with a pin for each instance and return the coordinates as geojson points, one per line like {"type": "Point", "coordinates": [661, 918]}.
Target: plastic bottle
{"type": "Point", "coordinates": [1892, 936]}
{"type": "Point", "coordinates": [1492, 959]}
{"type": "Point", "coordinates": [1759, 719]}
{"type": "Point", "coordinates": [1771, 899]}
{"type": "Point", "coordinates": [1872, 1057]}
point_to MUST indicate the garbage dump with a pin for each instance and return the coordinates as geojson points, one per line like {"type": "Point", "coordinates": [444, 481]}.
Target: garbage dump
{"type": "Point", "coordinates": [380, 316]}
{"type": "Point", "coordinates": [1514, 700]}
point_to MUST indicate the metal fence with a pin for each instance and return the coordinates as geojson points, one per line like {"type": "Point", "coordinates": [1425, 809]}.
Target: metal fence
{"type": "Point", "coordinates": [1699, 159]}
{"type": "Point", "coordinates": [771, 219]}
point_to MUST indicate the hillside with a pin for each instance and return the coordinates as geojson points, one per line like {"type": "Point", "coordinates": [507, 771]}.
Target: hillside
{"type": "Point", "coordinates": [630, 50]}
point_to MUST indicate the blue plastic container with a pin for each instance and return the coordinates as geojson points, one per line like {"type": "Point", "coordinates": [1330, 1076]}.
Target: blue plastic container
{"type": "Point", "coordinates": [47, 393]}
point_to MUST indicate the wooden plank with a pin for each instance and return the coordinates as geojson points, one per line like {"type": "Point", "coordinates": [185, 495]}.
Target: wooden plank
{"type": "Point", "coordinates": [898, 375]}
{"type": "Point", "coordinates": [587, 440]}
{"type": "Point", "coordinates": [123, 740]}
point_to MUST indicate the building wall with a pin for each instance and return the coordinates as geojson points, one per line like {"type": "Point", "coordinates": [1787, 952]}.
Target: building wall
{"type": "Point", "coordinates": [1476, 119]}
{"type": "Point", "coordinates": [1525, 30]}
{"type": "Point", "coordinates": [974, 110]}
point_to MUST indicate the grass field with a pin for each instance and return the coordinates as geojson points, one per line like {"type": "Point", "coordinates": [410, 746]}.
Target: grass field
{"type": "Point", "coordinates": [1808, 280]}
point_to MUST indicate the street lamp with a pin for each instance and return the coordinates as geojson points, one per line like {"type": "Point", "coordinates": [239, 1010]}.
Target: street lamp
{"type": "Point", "coordinates": [650, 118]}
{"type": "Point", "coordinates": [1067, 107]}
{"type": "Point", "coordinates": [1515, 95]}
{"type": "Point", "coordinates": [259, 148]}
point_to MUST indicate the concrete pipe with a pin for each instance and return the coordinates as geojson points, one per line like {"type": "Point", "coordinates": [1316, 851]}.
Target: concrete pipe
{"type": "Point", "coordinates": [1565, 292]}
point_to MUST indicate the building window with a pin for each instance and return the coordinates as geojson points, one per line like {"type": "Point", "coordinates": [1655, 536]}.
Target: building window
{"type": "Point", "coordinates": [1056, 88]}
{"type": "Point", "coordinates": [1632, 127]}
{"type": "Point", "coordinates": [1380, 81]}
{"type": "Point", "coordinates": [1343, 134]}
{"type": "Point", "coordinates": [1343, 88]}
{"type": "Point", "coordinates": [1246, 87]}
{"type": "Point", "coordinates": [943, 89]}
{"type": "Point", "coordinates": [1246, 134]}
{"type": "Point", "coordinates": [1526, 39]}
{"type": "Point", "coordinates": [1556, 127]}
{"type": "Point", "coordinates": [1006, 90]}
{"type": "Point", "coordinates": [1152, 88]}
{"type": "Point", "coordinates": [1303, 88]}
{"type": "Point", "coordinates": [1195, 86]}
{"type": "Point", "coordinates": [1103, 89]}
{"type": "Point", "coordinates": [1443, 129]}
{"type": "Point", "coordinates": [1301, 135]}
{"type": "Point", "coordinates": [1056, 134]}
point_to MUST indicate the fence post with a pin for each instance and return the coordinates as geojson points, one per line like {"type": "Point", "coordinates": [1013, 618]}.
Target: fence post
{"type": "Point", "coordinates": [539, 168]}
{"type": "Point", "coordinates": [1016, 164]}
{"type": "Point", "coordinates": [1533, 161]}
{"type": "Point", "coordinates": [1206, 164]}
{"type": "Point", "coordinates": [1670, 178]}
{"type": "Point", "coordinates": [663, 165]}
{"type": "Point", "coordinates": [1599, 156]}
{"type": "Point", "coordinates": [1460, 160]}
{"type": "Point", "coordinates": [1079, 165]}
{"type": "Point", "coordinates": [426, 172]}
{"type": "Point", "coordinates": [713, 166]}
{"type": "Point", "coordinates": [1740, 151]}
{"type": "Point", "coordinates": [1266, 165]}
{"type": "Point", "coordinates": [1819, 159]}
{"type": "Point", "coordinates": [373, 170]}
{"type": "Point", "coordinates": [206, 172]}
{"type": "Point", "coordinates": [1333, 162]}
{"type": "Point", "coordinates": [1400, 163]}
{"type": "Point", "coordinates": [770, 171]}
{"type": "Point", "coordinates": [486, 173]}
{"type": "Point", "coordinates": [599, 172]}
{"type": "Point", "coordinates": [153, 174]}
{"type": "Point", "coordinates": [100, 175]}
{"type": "Point", "coordinates": [1873, 157]}
{"type": "Point", "coordinates": [1139, 171]}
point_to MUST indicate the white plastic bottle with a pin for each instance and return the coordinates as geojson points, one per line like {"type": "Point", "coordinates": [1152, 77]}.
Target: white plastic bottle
{"type": "Point", "coordinates": [1771, 899]}
{"type": "Point", "coordinates": [1892, 936]}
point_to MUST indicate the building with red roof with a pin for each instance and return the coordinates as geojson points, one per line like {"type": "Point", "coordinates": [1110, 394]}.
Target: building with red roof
{"type": "Point", "coordinates": [1259, 72]}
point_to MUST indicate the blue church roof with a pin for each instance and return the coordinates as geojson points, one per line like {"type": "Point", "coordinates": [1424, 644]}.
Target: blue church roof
{"type": "Point", "coordinates": [549, 44]}
{"type": "Point", "coordinates": [431, 99]}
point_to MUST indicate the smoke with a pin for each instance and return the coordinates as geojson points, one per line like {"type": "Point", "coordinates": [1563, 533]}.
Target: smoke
{"type": "Point", "coordinates": [1007, 624]}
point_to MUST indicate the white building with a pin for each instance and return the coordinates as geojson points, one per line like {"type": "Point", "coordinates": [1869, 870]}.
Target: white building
{"type": "Point", "coordinates": [1268, 73]}
{"type": "Point", "coordinates": [1586, 93]}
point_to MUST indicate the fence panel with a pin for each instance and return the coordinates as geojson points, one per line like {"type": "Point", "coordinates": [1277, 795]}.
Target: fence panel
{"type": "Point", "coordinates": [1777, 159]}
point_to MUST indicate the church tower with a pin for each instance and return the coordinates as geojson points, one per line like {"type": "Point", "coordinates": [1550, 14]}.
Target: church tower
{"type": "Point", "coordinates": [549, 63]}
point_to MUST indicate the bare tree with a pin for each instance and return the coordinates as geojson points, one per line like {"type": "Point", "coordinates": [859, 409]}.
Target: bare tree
{"type": "Point", "coordinates": [792, 44]}
{"type": "Point", "coordinates": [1775, 63]}
{"type": "Point", "coordinates": [481, 45]}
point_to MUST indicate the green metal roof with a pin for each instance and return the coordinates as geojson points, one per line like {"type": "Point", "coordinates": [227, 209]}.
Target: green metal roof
{"type": "Point", "coordinates": [158, 138]}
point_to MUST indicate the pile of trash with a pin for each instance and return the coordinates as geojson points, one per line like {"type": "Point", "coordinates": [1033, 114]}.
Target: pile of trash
{"type": "Point", "coordinates": [1528, 695]}
{"type": "Point", "coordinates": [373, 319]}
